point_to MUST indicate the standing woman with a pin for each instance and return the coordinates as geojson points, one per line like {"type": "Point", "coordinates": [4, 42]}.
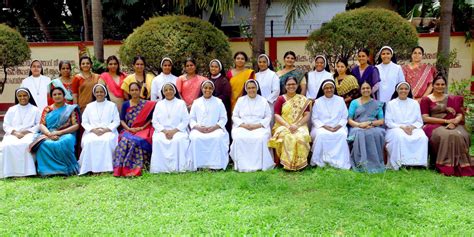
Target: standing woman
{"type": "Point", "coordinates": [329, 132]}
{"type": "Point", "coordinates": [113, 78]}
{"type": "Point", "coordinates": [54, 149]}
{"type": "Point", "coordinates": [290, 70]}
{"type": "Point", "coordinates": [347, 86]}
{"type": "Point", "coordinates": [64, 81]}
{"type": "Point", "coordinates": [390, 74]}
{"type": "Point", "coordinates": [133, 151]}
{"type": "Point", "coordinates": [83, 82]}
{"type": "Point", "coordinates": [38, 84]}
{"type": "Point", "coordinates": [100, 121]}
{"type": "Point", "coordinates": [365, 72]}
{"type": "Point", "coordinates": [238, 76]}
{"type": "Point", "coordinates": [251, 131]}
{"type": "Point", "coordinates": [366, 135]}
{"type": "Point", "coordinates": [222, 88]}
{"type": "Point", "coordinates": [164, 77]}
{"type": "Point", "coordinates": [290, 133]}
{"type": "Point", "coordinates": [316, 77]}
{"type": "Point", "coordinates": [20, 123]}
{"type": "Point", "coordinates": [141, 77]}
{"type": "Point", "coordinates": [209, 138]}
{"type": "Point", "coordinates": [189, 84]}
{"type": "Point", "coordinates": [419, 75]}
{"type": "Point", "coordinates": [170, 140]}
{"type": "Point", "coordinates": [444, 126]}
{"type": "Point", "coordinates": [407, 144]}
{"type": "Point", "coordinates": [269, 83]}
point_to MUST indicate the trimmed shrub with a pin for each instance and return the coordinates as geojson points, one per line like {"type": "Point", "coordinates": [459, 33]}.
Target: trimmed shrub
{"type": "Point", "coordinates": [177, 37]}
{"type": "Point", "coordinates": [14, 50]}
{"type": "Point", "coordinates": [369, 28]}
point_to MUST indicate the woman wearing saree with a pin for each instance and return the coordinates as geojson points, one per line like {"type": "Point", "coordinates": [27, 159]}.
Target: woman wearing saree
{"type": "Point", "coordinates": [444, 126]}
{"type": "Point", "coordinates": [113, 78]}
{"type": "Point", "coordinates": [133, 151]}
{"type": "Point", "coordinates": [347, 86]}
{"type": "Point", "coordinates": [419, 75]}
{"type": "Point", "coordinates": [290, 133]}
{"type": "Point", "coordinates": [100, 121]}
{"type": "Point", "coordinates": [364, 72]}
{"type": "Point", "coordinates": [366, 136]}
{"type": "Point", "coordinates": [20, 123]}
{"type": "Point", "coordinates": [189, 84]}
{"type": "Point", "coordinates": [64, 81]}
{"type": "Point", "coordinates": [251, 131]}
{"type": "Point", "coordinates": [83, 82]}
{"type": "Point", "coordinates": [54, 147]}
{"type": "Point", "coordinates": [238, 76]}
{"type": "Point", "coordinates": [317, 76]}
{"type": "Point", "coordinates": [290, 70]}
{"type": "Point", "coordinates": [139, 76]}
{"type": "Point", "coordinates": [407, 144]}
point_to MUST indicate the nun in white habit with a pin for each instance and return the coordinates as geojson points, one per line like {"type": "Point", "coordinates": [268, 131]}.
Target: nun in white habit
{"type": "Point", "coordinates": [164, 77]}
{"type": "Point", "coordinates": [209, 139]}
{"type": "Point", "coordinates": [317, 76]}
{"type": "Point", "coordinates": [390, 74]}
{"type": "Point", "coordinates": [38, 84]}
{"type": "Point", "coordinates": [268, 80]}
{"type": "Point", "coordinates": [100, 121]}
{"type": "Point", "coordinates": [251, 131]}
{"type": "Point", "coordinates": [20, 124]}
{"type": "Point", "coordinates": [170, 139]}
{"type": "Point", "coordinates": [329, 132]}
{"type": "Point", "coordinates": [407, 144]}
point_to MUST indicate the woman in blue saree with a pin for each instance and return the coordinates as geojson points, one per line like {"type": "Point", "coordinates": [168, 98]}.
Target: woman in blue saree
{"type": "Point", "coordinates": [54, 147]}
{"type": "Point", "coordinates": [366, 135]}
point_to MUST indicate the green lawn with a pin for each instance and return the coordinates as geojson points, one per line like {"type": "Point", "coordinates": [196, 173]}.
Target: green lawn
{"type": "Point", "coordinates": [315, 201]}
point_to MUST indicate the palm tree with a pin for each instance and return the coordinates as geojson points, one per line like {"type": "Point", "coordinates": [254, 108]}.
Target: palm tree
{"type": "Point", "coordinates": [85, 18]}
{"type": "Point", "coordinates": [444, 36]}
{"type": "Point", "coordinates": [97, 30]}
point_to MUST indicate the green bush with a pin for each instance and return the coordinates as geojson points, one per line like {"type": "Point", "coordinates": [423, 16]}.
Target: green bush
{"type": "Point", "coordinates": [369, 28]}
{"type": "Point", "coordinates": [14, 50]}
{"type": "Point", "coordinates": [177, 37]}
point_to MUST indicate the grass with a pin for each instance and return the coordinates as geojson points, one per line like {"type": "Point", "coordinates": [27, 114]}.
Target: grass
{"type": "Point", "coordinates": [314, 201]}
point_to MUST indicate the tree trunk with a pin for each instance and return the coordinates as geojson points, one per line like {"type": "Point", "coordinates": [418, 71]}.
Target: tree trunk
{"type": "Point", "coordinates": [97, 30]}
{"type": "Point", "coordinates": [258, 11]}
{"type": "Point", "coordinates": [42, 25]}
{"type": "Point", "coordinates": [444, 36]}
{"type": "Point", "coordinates": [85, 18]}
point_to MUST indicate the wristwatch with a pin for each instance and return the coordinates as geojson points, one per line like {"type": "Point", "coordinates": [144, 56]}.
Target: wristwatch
{"type": "Point", "coordinates": [371, 123]}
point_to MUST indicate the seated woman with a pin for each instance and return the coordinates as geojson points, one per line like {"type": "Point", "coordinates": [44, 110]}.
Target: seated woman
{"type": "Point", "coordinates": [170, 140]}
{"type": "Point", "coordinates": [366, 136]}
{"type": "Point", "coordinates": [290, 133]}
{"type": "Point", "coordinates": [251, 132]}
{"type": "Point", "coordinates": [329, 132]}
{"type": "Point", "coordinates": [20, 123]}
{"type": "Point", "coordinates": [133, 151]}
{"type": "Point", "coordinates": [209, 138]}
{"type": "Point", "coordinates": [100, 121]}
{"type": "Point", "coordinates": [407, 144]}
{"type": "Point", "coordinates": [55, 152]}
{"type": "Point", "coordinates": [444, 126]}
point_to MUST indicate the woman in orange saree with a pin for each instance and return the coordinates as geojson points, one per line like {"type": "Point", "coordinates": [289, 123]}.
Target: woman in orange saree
{"type": "Point", "coordinates": [83, 83]}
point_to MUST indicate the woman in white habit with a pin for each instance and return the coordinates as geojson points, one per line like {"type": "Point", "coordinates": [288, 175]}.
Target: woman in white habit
{"type": "Point", "coordinates": [100, 121]}
{"type": "Point", "coordinates": [407, 144]}
{"type": "Point", "coordinates": [251, 131]}
{"type": "Point", "coordinates": [329, 132]}
{"type": "Point", "coordinates": [20, 124]}
{"type": "Point", "coordinates": [209, 139]}
{"type": "Point", "coordinates": [317, 76]}
{"type": "Point", "coordinates": [268, 80]}
{"type": "Point", "coordinates": [170, 139]}
{"type": "Point", "coordinates": [390, 74]}
{"type": "Point", "coordinates": [165, 76]}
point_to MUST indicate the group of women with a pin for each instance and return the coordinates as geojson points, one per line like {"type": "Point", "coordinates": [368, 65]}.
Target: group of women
{"type": "Point", "coordinates": [126, 124]}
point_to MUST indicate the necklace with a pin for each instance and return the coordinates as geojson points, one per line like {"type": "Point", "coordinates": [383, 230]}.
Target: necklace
{"type": "Point", "coordinates": [168, 113]}
{"type": "Point", "coordinates": [100, 104]}
{"type": "Point", "coordinates": [37, 88]}
{"type": "Point", "coordinates": [22, 114]}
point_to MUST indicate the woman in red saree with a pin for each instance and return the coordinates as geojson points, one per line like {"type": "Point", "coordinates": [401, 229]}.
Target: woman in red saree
{"type": "Point", "coordinates": [133, 151]}
{"type": "Point", "coordinates": [113, 78]}
{"type": "Point", "coordinates": [419, 75]}
{"type": "Point", "coordinates": [444, 126]}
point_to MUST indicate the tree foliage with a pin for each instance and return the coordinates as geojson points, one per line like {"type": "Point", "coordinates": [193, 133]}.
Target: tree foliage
{"type": "Point", "coordinates": [177, 37]}
{"type": "Point", "coordinates": [369, 28]}
{"type": "Point", "coordinates": [14, 50]}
